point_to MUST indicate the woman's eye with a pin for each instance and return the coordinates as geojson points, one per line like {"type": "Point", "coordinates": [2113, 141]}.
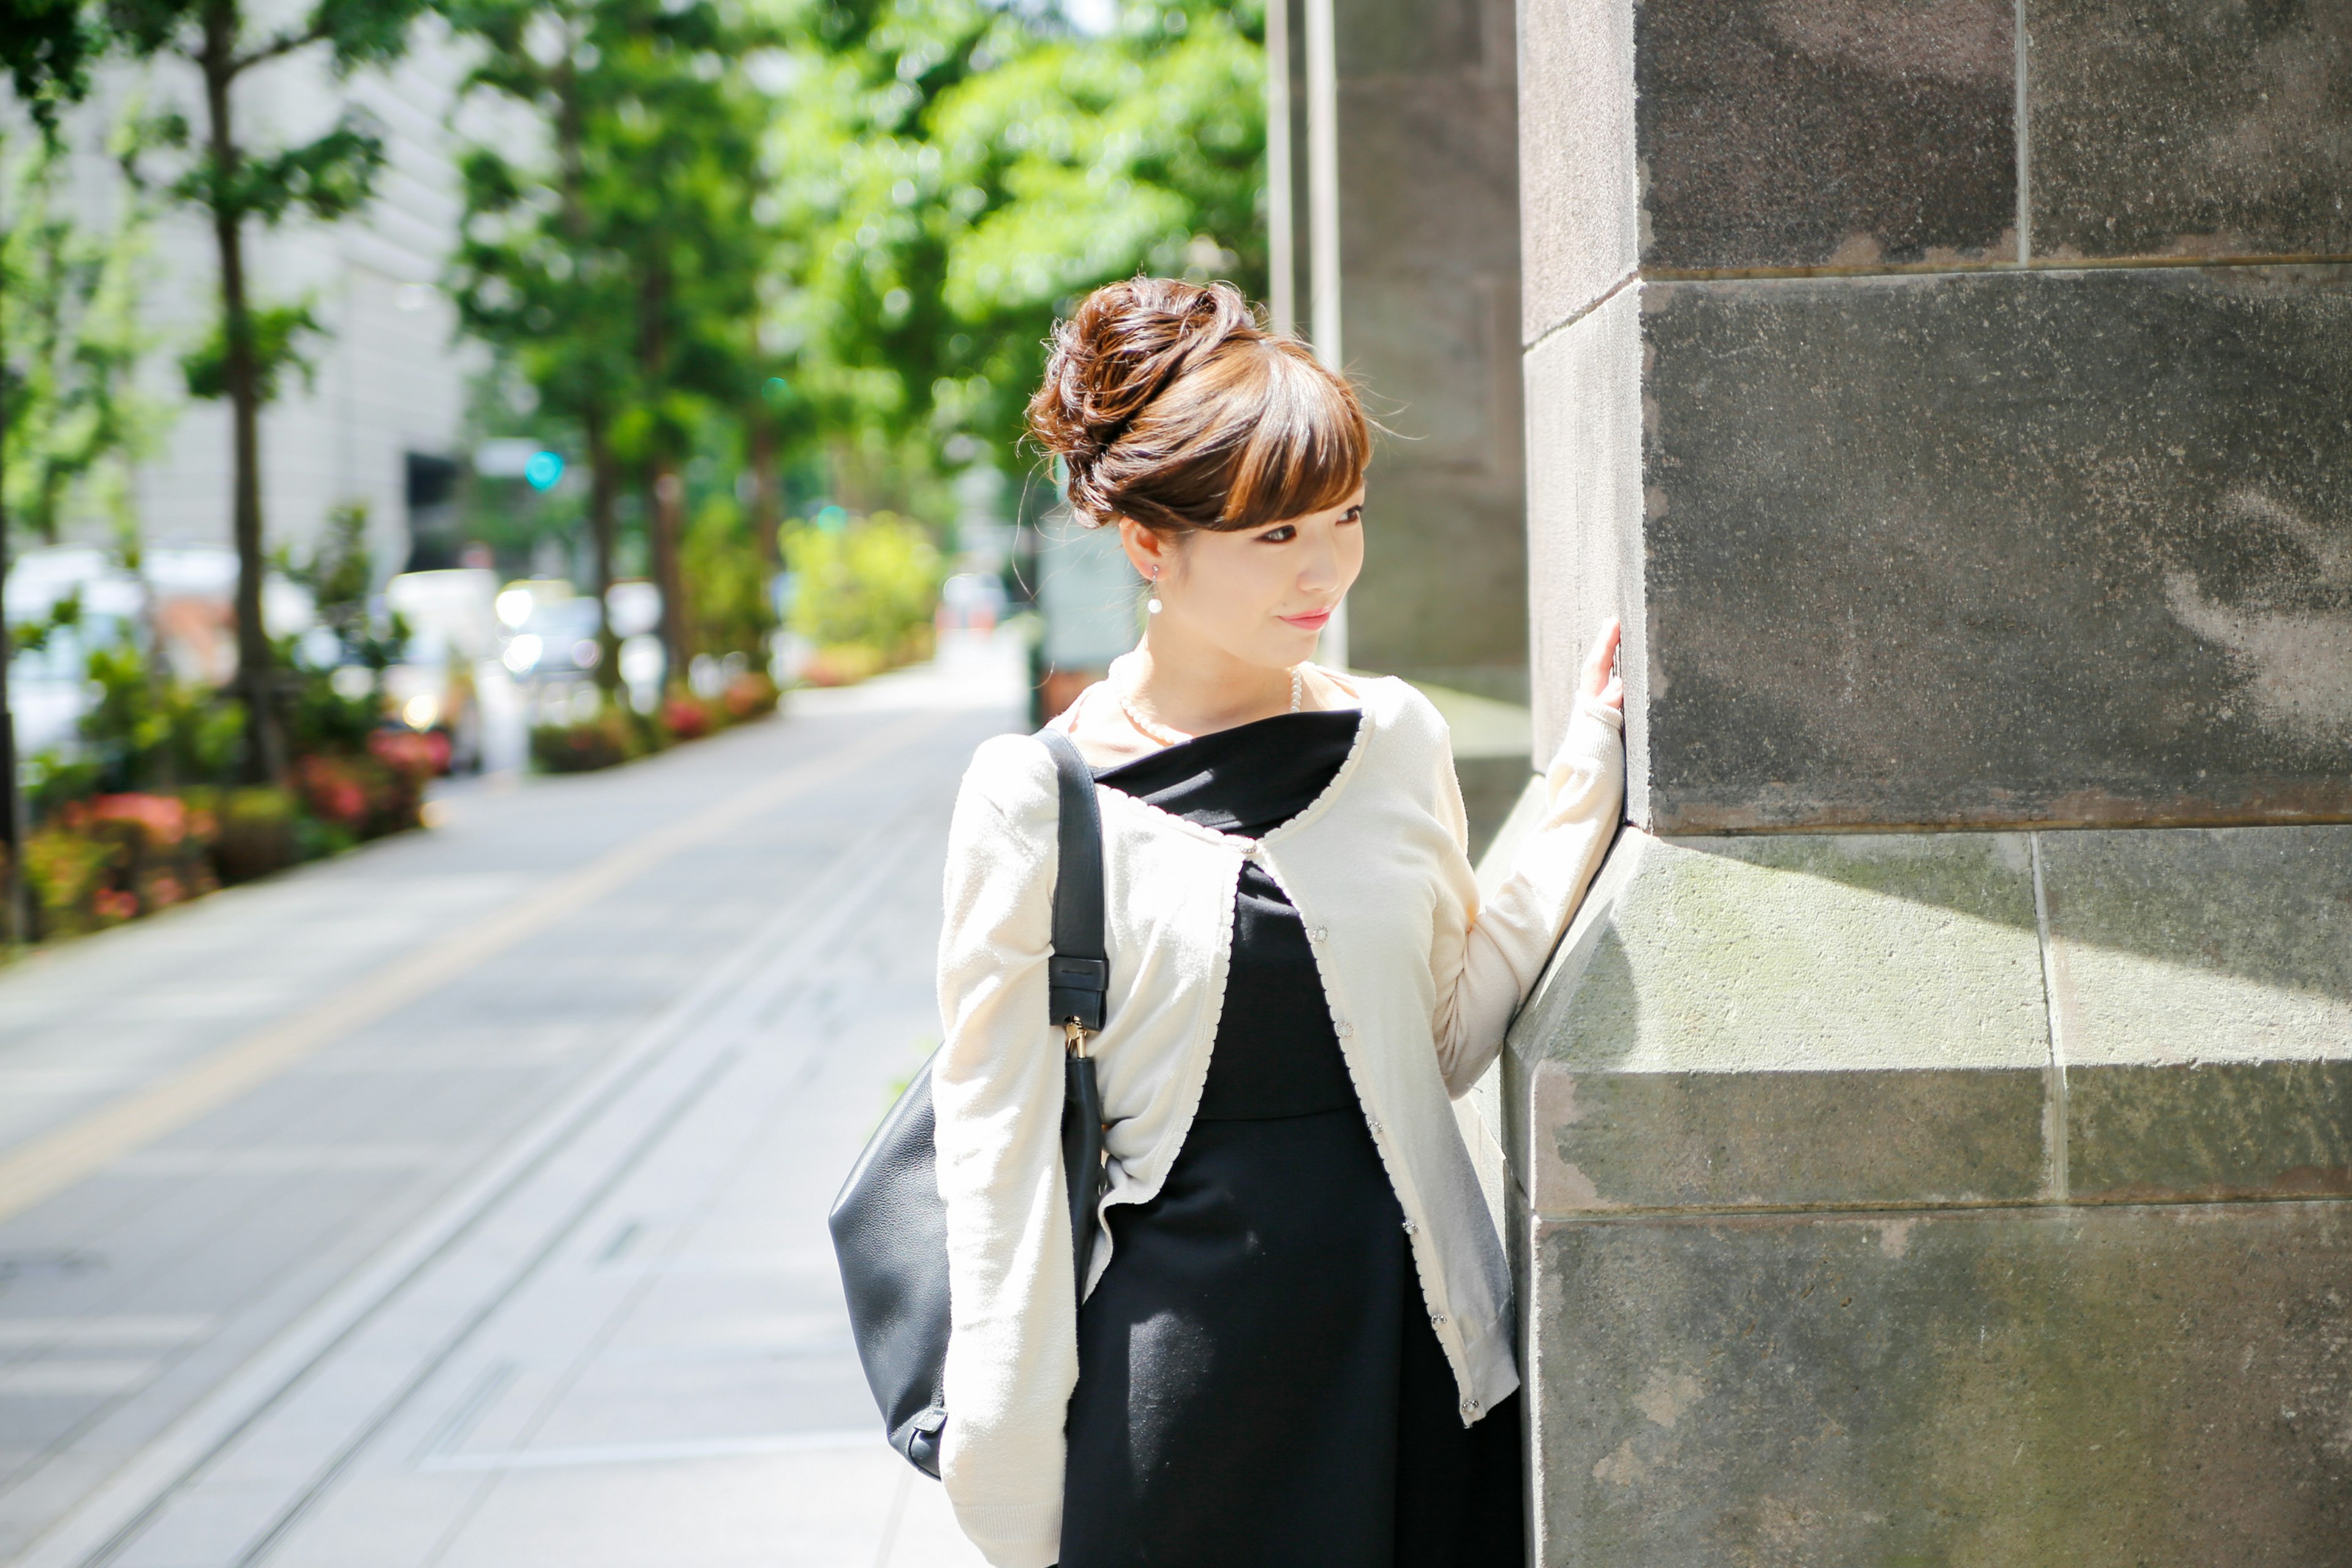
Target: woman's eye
{"type": "Point", "coordinates": [1354, 514]}
{"type": "Point", "coordinates": [1281, 536]}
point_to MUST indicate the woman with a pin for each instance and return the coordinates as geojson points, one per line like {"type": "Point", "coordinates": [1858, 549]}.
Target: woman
{"type": "Point", "coordinates": [1296, 1349]}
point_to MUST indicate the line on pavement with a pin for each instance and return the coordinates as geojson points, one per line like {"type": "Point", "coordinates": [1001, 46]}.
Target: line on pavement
{"type": "Point", "coordinates": [658, 1453]}
{"type": "Point", "coordinates": [50, 1164]}
{"type": "Point", "coordinates": [106, 1524]}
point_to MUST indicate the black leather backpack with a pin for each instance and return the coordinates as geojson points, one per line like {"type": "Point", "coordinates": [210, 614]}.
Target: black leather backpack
{"type": "Point", "coordinates": [890, 1225]}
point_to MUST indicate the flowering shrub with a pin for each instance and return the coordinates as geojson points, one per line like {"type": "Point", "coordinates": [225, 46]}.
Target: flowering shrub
{"type": "Point", "coordinates": [749, 695]}
{"type": "Point", "coordinates": [844, 664]}
{"type": "Point", "coordinates": [64, 873]}
{"type": "Point", "coordinates": [406, 752]}
{"type": "Point", "coordinates": [110, 859]}
{"type": "Point", "coordinates": [369, 797]}
{"type": "Point", "coordinates": [686, 716]}
{"type": "Point", "coordinates": [256, 834]}
{"type": "Point", "coordinates": [611, 738]}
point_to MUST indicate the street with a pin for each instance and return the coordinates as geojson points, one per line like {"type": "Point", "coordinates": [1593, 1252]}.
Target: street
{"type": "Point", "coordinates": [460, 1202]}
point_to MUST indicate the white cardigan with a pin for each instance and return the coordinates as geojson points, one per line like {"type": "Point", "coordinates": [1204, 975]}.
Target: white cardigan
{"type": "Point", "coordinates": [1421, 981]}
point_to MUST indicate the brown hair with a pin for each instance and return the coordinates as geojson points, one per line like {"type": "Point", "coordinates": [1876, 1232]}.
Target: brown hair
{"type": "Point", "coordinates": [1172, 407]}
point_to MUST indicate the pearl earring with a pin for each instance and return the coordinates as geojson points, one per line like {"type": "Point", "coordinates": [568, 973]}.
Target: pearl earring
{"type": "Point", "coordinates": [1152, 604]}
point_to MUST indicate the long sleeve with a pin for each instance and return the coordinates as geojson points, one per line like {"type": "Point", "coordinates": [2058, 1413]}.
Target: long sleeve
{"type": "Point", "coordinates": [997, 1086]}
{"type": "Point", "coordinates": [1511, 938]}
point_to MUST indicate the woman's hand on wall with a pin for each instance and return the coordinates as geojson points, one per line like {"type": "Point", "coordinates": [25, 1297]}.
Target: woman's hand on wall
{"type": "Point", "coordinates": [1602, 685]}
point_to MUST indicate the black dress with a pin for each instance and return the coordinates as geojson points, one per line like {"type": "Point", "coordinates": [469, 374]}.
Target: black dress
{"type": "Point", "coordinates": [1258, 1383]}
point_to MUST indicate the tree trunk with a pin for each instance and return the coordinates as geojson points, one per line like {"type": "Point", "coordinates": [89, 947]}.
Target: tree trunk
{"type": "Point", "coordinates": [669, 510]}
{"type": "Point", "coordinates": [265, 746]}
{"type": "Point", "coordinates": [14, 910]}
{"type": "Point", "coordinates": [604, 490]}
{"type": "Point", "coordinates": [668, 529]}
{"type": "Point", "coordinates": [767, 492]}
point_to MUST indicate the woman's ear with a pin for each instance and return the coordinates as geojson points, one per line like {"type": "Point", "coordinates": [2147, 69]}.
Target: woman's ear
{"type": "Point", "coordinates": [1149, 552]}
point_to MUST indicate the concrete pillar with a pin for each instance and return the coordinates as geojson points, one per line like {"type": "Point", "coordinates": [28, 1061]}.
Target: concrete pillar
{"type": "Point", "coordinates": [1419, 302]}
{"type": "Point", "coordinates": [1931, 1145]}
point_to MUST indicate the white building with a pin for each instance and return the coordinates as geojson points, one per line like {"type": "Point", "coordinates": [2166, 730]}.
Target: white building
{"type": "Point", "coordinates": [379, 420]}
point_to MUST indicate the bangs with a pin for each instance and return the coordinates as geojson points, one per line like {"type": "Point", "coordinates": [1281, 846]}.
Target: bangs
{"type": "Point", "coordinates": [1306, 446]}
{"type": "Point", "coordinates": [1255, 432]}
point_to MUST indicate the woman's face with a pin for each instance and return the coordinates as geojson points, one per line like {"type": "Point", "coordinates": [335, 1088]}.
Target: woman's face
{"type": "Point", "coordinates": [1260, 596]}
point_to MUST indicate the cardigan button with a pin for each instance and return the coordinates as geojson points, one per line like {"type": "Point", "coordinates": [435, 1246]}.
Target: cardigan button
{"type": "Point", "coordinates": [1344, 1029]}
{"type": "Point", "coordinates": [1470, 1407]}
{"type": "Point", "coordinates": [1410, 1228]}
{"type": "Point", "coordinates": [1437, 1320]}
{"type": "Point", "coordinates": [1316, 933]}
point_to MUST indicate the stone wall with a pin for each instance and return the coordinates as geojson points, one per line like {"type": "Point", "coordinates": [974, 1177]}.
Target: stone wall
{"type": "Point", "coordinates": [1429, 310]}
{"type": "Point", "coordinates": [1929, 1144]}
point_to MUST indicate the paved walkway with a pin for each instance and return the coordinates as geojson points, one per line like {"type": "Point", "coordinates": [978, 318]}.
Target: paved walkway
{"type": "Point", "coordinates": [461, 1202]}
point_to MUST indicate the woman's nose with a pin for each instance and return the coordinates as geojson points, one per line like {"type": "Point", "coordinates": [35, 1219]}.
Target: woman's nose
{"type": "Point", "coordinates": [1320, 571]}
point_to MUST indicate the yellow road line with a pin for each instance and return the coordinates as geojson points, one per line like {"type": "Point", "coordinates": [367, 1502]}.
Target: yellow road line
{"type": "Point", "coordinates": [56, 1161]}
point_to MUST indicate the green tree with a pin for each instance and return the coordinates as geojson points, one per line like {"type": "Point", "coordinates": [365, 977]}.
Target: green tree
{"type": "Point", "coordinates": [956, 172]}
{"type": "Point", "coordinates": [529, 276]}
{"type": "Point", "coordinates": [620, 273]}
{"type": "Point", "coordinates": [69, 316]}
{"type": "Point", "coordinates": [238, 186]}
{"type": "Point", "coordinates": [47, 47]}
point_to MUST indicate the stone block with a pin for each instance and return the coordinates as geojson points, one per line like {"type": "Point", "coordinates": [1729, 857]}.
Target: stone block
{"type": "Point", "coordinates": [2190, 128]}
{"type": "Point", "coordinates": [2209, 1132]}
{"type": "Point", "coordinates": [1743, 136]}
{"type": "Point", "coordinates": [1977, 549]}
{"type": "Point", "coordinates": [1799, 133]}
{"type": "Point", "coordinates": [1585, 547]}
{"type": "Point", "coordinates": [1799, 1020]}
{"type": "Point", "coordinates": [1580, 202]}
{"type": "Point", "coordinates": [2201, 945]}
{"type": "Point", "coordinates": [2102, 1388]}
{"type": "Point", "coordinates": [2201, 983]}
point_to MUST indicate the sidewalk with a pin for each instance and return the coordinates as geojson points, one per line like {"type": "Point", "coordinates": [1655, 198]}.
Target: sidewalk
{"type": "Point", "coordinates": [528, 1267]}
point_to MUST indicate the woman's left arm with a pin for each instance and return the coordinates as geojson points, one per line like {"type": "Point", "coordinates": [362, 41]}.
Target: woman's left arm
{"type": "Point", "coordinates": [1511, 938]}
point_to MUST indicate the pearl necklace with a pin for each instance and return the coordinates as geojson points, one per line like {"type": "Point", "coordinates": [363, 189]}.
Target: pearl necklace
{"type": "Point", "coordinates": [1170, 737]}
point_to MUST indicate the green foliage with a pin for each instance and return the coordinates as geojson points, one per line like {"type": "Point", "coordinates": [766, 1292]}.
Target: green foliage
{"type": "Point", "coordinates": [872, 583]}
{"type": "Point", "coordinates": [613, 736]}
{"type": "Point", "coordinates": [65, 870]}
{"type": "Point", "coordinates": [727, 581]}
{"type": "Point", "coordinates": [48, 47]}
{"type": "Point", "coordinates": [339, 573]}
{"type": "Point", "coordinates": [318, 718]}
{"type": "Point", "coordinates": [146, 730]}
{"type": "Point", "coordinates": [77, 421]}
{"type": "Point", "coordinates": [279, 334]}
{"type": "Point", "coordinates": [257, 833]}
{"type": "Point", "coordinates": [31, 637]}
{"type": "Point", "coordinates": [955, 174]}
{"type": "Point", "coordinates": [234, 183]}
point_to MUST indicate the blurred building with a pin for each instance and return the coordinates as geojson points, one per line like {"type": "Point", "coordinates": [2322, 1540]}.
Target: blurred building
{"type": "Point", "coordinates": [1394, 230]}
{"type": "Point", "coordinates": [1395, 250]}
{"type": "Point", "coordinates": [378, 420]}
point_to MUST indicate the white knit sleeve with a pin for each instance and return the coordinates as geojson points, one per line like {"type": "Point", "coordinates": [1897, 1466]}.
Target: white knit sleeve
{"type": "Point", "coordinates": [997, 1086]}
{"type": "Point", "coordinates": [1511, 938]}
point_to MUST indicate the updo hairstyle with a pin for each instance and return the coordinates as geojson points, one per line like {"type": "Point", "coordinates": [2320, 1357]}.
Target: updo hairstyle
{"type": "Point", "coordinates": [1170, 406]}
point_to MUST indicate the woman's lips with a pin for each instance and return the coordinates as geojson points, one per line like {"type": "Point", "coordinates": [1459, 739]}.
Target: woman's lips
{"type": "Point", "coordinates": [1313, 621]}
